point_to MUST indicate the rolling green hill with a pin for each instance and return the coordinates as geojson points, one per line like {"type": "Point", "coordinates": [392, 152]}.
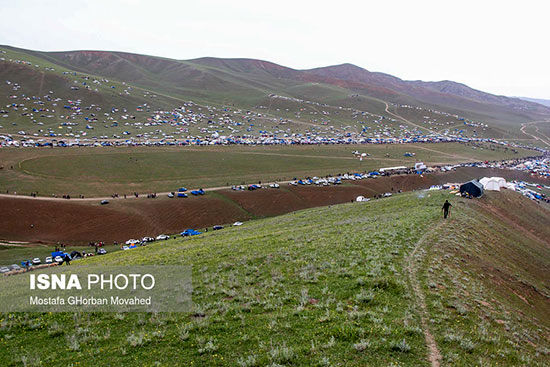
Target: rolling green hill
{"type": "Point", "coordinates": [386, 282]}
{"type": "Point", "coordinates": [328, 100]}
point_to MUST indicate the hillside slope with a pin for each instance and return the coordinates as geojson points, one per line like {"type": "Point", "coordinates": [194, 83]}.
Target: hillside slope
{"type": "Point", "coordinates": [315, 97]}
{"type": "Point", "coordinates": [339, 285]}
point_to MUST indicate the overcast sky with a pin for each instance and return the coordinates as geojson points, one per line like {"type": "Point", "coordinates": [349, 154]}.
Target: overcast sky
{"type": "Point", "coordinates": [496, 46]}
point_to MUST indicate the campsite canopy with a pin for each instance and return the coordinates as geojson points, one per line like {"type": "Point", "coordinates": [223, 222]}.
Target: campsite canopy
{"type": "Point", "coordinates": [473, 188]}
{"type": "Point", "coordinates": [493, 183]}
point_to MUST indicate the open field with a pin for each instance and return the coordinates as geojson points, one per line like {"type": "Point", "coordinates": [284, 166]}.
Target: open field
{"type": "Point", "coordinates": [359, 284]}
{"type": "Point", "coordinates": [104, 171]}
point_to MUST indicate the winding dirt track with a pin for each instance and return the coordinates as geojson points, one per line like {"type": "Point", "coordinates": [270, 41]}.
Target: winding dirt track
{"type": "Point", "coordinates": [404, 119]}
{"type": "Point", "coordinates": [434, 356]}
{"type": "Point", "coordinates": [525, 124]}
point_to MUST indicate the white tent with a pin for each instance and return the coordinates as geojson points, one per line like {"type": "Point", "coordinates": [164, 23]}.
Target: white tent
{"type": "Point", "coordinates": [419, 166]}
{"type": "Point", "coordinates": [493, 183]}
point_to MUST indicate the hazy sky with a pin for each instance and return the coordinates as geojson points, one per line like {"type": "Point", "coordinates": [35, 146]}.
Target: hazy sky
{"type": "Point", "coordinates": [496, 46]}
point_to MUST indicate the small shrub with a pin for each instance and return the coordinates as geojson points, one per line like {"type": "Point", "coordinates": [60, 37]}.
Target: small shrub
{"type": "Point", "coordinates": [249, 361]}
{"type": "Point", "coordinates": [467, 345]}
{"type": "Point", "coordinates": [184, 335]}
{"type": "Point", "coordinates": [364, 296]}
{"type": "Point", "coordinates": [208, 347]}
{"type": "Point", "coordinates": [281, 354]}
{"type": "Point", "coordinates": [136, 340]}
{"type": "Point", "coordinates": [72, 342]}
{"type": "Point", "coordinates": [55, 330]}
{"type": "Point", "coordinates": [329, 344]}
{"type": "Point", "coordinates": [401, 346]}
{"type": "Point", "coordinates": [362, 345]}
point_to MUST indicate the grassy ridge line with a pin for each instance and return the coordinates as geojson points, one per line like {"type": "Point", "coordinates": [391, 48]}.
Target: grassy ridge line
{"type": "Point", "coordinates": [323, 286]}
{"type": "Point", "coordinates": [486, 285]}
{"type": "Point", "coordinates": [300, 289]}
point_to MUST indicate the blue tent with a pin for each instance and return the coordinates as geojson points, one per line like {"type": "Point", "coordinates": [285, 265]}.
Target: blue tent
{"type": "Point", "coordinates": [190, 232]}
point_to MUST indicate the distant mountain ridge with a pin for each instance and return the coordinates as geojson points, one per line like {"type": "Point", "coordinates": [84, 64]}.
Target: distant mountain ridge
{"type": "Point", "coordinates": [544, 102]}
{"type": "Point", "coordinates": [250, 80]}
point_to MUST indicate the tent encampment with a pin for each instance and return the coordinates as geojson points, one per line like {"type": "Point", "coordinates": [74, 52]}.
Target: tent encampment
{"type": "Point", "coordinates": [473, 188]}
{"type": "Point", "coordinates": [493, 183]}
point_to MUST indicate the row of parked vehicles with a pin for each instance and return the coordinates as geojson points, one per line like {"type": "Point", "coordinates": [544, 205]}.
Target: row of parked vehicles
{"type": "Point", "coordinates": [57, 257]}
{"type": "Point", "coordinates": [192, 232]}
{"type": "Point", "coordinates": [132, 243]}
{"type": "Point", "coordinates": [254, 187]}
{"type": "Point", "coordinates": [181, 193]}
{"type": "Point", "coordinates": [333, 180]}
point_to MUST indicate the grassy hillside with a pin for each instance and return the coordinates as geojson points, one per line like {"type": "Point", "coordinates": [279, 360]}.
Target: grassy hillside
{"type": "Point", "coordinates": [348, 285]}
{"type": "Point", "coordinates": [344, 97]}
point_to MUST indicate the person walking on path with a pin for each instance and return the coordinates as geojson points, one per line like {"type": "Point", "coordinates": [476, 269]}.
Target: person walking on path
{"type": "Point", "coordinates": [446, 209]}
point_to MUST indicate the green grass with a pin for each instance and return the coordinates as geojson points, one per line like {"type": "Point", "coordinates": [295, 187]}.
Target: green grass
{"type": "Point", "coordinates": [103, 171]}
{"type": "Point", "coordinates": [486, 309]}
{"type": "Point", "coordinates": [324, 286]}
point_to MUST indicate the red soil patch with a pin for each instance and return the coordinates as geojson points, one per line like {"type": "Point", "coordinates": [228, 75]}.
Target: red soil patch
{"type": "Point", "coordinates": [81, 222]}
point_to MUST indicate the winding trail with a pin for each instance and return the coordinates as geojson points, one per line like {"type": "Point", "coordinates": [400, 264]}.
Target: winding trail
{"type": "Point", "coordinates": [404, 119]}
{"type": "Point", "coordinates": [525, 124]}
{"type": "Point", "coordinates": [434, 356]}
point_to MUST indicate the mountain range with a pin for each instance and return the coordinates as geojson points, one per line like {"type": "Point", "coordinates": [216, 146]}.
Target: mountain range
{"type": "Point", "coordinates": [247, 83]}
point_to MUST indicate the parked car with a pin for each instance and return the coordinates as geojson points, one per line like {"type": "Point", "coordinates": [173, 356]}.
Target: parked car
{"type": "Point", "coordinates": [48, 260]}
{"type": "Point", "coordinates": [101, 251]}
{"type": "Point", "coordinates": [184, 195]}
{"type": "Point", "coordinates": [36, 261]}
{"type": "Point", "coordinates": [162, 237]}
{"type": "Point", "coordinates": [217, 227]}
{"type": "Point", "coordinates": [15, 267]}
{"type": "Point", "coordinates": [104, 202]}
{"type": "Point", "coordinates": [274, 185]}
{"type": "Point", "coordinates": [147, 239]}
{"type": "Point", "coordinates": [4, 269]}
{"type": "Point", "coordinates": [171, 195]}
{"type": "Point", "coordinates": [238, 223]}
{"type": "Point", "coordinates": [58, 259]}
{"type": "Point", "coordinates": [125, 248]}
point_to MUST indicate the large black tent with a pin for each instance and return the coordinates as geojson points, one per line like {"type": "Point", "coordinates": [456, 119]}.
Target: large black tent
{"type": "Point", "coordinates": [473, 188]}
